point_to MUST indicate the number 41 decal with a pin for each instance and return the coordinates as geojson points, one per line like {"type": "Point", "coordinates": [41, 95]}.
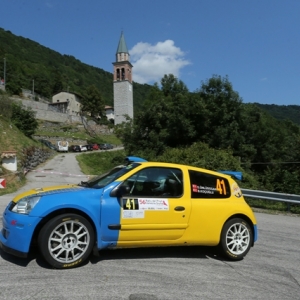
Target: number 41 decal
{"type": "Point", "coordinates": [130, 204]}
{"type": "Point", "coordinates": [221, 188]}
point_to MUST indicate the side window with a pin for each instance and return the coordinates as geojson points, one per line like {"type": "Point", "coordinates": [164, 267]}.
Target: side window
{"type": "Point", "coordinates": [156, 182]}
{"type": "Point", "coordinates": [205, 185]}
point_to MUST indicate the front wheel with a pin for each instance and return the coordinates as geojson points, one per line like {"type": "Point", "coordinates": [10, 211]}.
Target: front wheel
{"type": "Point", "coordinates": [236, 239]}
{"type": "Point", "coordinates": [66, 241]}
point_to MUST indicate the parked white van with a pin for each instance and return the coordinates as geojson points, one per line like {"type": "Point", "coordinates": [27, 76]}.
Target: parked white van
{"type": "Point", "coordinates": [62, 146]}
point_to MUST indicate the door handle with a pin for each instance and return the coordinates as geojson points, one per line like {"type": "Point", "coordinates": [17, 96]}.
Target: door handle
{"type": "Point", "coordinates": [179, 208]}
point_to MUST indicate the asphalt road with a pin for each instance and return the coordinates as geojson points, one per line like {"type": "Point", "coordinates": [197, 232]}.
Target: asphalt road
{"type": "Point", "coordinates": [271, 270]}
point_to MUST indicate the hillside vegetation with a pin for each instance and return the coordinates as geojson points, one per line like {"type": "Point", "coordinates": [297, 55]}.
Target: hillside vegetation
{"type": "Point", "coordinates": [12, 139]}
{"type": "Point", "coordinates": [210, 128]}
{"type": "Point", "coordinates": [52, 72]}
{"type": "Point", "coordinates": [282, 112]}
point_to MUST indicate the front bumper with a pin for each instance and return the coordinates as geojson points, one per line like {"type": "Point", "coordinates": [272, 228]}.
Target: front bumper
{"type": "Point", "coordinates": [17, 233]}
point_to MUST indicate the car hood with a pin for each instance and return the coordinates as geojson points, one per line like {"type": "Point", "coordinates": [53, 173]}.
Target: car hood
{"type": "Point", "coordinates": [47, 190]}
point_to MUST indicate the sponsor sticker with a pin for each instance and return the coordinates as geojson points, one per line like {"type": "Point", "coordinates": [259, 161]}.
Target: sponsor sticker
{"type": "Point", "coordinates": [153, 204]}
{"type": "Point", "coordinates": [236, 191]}
{"type": "Point", "coordinates": [203, 189]}
{"type": "Point", "coordinates": [133, 214]}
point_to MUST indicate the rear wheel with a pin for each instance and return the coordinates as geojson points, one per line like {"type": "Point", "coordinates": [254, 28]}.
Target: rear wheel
{"type": "Point", "coordinates": [236, 239]}
{"type": "Point", "coordinates": [66, 241]}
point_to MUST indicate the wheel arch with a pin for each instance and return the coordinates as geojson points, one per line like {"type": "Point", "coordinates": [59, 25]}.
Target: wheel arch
{"type": "Point", "coordinates": [244, 217]}
{"type": "Point", "coordinates": [60, 212]}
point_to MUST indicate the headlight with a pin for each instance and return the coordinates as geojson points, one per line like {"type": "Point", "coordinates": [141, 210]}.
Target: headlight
{"type": "Point", "coordinates": [25, 205]}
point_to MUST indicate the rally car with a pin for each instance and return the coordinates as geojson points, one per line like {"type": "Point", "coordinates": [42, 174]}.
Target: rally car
{"type": "Point", "coordinates": [138, 204]}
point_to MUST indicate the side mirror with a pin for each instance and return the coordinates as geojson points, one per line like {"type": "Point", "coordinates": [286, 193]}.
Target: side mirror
{"type": "Point", "coordinates": [119, 191]}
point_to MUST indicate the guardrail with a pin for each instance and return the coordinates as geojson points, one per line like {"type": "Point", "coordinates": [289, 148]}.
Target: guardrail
{"type": "Point", "coordinates": [290, 198]}
{"type": "Point", "coordinates": [282, 197]}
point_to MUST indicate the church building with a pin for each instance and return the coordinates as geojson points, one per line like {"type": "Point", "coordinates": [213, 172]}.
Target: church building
{"type": "Point", "coordinates": [123, 92]}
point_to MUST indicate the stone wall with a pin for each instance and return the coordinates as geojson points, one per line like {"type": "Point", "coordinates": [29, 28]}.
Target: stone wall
{"type": "Point", "coordinates": [35, 156]}
{"type": "Point", "coordinates": [42, 112]}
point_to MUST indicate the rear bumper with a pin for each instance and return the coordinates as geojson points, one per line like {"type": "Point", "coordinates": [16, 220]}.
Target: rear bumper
{"type": "Point", "coordinates": [255, 233]}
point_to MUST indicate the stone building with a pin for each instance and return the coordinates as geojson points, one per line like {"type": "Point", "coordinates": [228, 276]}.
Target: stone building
{"type": "Point", "coordinates": [66, 102]}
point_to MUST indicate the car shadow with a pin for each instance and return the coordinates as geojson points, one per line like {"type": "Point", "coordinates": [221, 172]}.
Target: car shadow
{"type": "Point", "coordinates": [156, 252]}
{"type": "Point", "coordinates": [200, 252]}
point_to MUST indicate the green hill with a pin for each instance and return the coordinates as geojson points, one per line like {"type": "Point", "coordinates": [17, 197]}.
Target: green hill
{"type": "Point", "coordinates": [282, 112]}
{"type": "Point", "coordinates": [52, 72]}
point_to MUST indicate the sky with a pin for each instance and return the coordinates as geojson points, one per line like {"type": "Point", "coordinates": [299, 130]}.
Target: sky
{"type": "Point", "coordinates": [256, 43]}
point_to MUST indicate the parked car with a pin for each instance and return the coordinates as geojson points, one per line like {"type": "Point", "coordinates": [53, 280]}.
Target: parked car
{"type": "Point", "coordinates": [95, 147]}
{"type": "Point", "coordinates": [48, 144]}
{"type": "Point", "coordinates": [83, 148]}
{"type": "Point", "coordinates": [62, 146]}
{"type": "Point", "coordinates": [105, 146]}
{"type": "Point", "coordinates": [76, 148]}
{"type": "Point", "coordinates": [143, 204]}
{"type": "Point", "coordinates": [89, 147]}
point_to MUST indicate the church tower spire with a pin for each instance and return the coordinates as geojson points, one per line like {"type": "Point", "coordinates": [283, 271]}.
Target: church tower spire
{"type": "Point", "coordinates": [123, 94]}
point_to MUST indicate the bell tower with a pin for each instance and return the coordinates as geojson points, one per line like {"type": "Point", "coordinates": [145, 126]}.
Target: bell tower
{"type": "Point", "coordinates": [123, 93]}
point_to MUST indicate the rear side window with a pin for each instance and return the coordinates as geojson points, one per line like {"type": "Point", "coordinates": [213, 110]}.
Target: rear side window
{"type": "Point", "coordinates": [205, 185]}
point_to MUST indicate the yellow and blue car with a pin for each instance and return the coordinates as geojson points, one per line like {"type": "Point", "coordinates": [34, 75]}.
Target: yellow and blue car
{"type": "Point", "coordinates": [138, 204]}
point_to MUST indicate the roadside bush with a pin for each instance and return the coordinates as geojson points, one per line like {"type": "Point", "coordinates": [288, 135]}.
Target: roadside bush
{"type": "Point", "coordinates": [6, 106]}
{"type": "Point", "coordinates": [24, 119]}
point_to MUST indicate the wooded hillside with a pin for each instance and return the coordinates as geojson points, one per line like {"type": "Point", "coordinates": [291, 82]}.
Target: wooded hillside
{"type": "Point", "coordinates": [53, 72]}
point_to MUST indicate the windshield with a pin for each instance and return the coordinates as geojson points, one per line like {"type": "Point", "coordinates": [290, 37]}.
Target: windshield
{"type": "Point", "coordinates": [101, 181]}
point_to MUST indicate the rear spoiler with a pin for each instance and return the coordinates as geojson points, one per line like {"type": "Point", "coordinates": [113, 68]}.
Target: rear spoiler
{"type": "Point", "coordinates": [131, 159]}
{"type": "Point", "coordinates": [235, 174]}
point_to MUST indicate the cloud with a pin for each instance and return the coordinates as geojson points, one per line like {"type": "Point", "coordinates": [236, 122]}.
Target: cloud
{"type": "Point", "coordinates": [152, 62]}
{"type": "Point", "coordinates": [264, 79]}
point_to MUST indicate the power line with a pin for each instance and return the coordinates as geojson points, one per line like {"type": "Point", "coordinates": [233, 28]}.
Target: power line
{"type": "Point", "coordinates": [272, 163]}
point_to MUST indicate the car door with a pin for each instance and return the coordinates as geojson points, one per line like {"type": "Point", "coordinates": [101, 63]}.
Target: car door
{"type": "Point", "coordinates": [155, 208]}
{"type": "Point", "coordinates": [212, 205]}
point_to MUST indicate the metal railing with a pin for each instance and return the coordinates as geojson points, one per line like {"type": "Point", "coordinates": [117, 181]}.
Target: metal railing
{"type": "Point", "coordinates": [280, 197]}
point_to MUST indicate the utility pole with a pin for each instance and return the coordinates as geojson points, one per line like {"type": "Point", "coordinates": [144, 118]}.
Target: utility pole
{"type": "Point", "coordinates": [4, 75]}
{"type": "Point", "coordinates": [33, 88]}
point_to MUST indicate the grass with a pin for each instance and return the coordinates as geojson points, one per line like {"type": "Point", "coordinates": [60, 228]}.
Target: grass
{"type": "Point", "coordinates": [100, 162]}
{"type": "Point", "coordinates": [11, 139]}
{"type": "Point", "coordinates": [73, 132]}
{"type": "Point", "coordinates": [14, 181]}
{"type": "Point", "coordinates": [75, 135]}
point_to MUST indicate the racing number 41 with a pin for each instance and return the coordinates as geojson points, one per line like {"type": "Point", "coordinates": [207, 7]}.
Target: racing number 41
{"type": "Point", "coordinates": [130, 204]}
{"type": "Point", "coordinates": [221, 188]}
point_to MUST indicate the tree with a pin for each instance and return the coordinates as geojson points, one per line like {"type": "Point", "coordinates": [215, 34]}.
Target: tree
{"type": "Point", "coordinates": [57, 82]}
{"type": "Point", "coordinates": [92, 102]}
{"type": "Point", "coordinates": [223, 108]}
{"type": "Point", "coordinates": [170, 118]}
{"type": "Point", "coordinates": [24, 119]}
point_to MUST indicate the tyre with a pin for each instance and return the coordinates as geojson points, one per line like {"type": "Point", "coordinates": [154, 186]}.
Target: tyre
{"type": "Point", "coordinates": [66, 241]}
{"type": "Point", "coordinates": [236, 239]}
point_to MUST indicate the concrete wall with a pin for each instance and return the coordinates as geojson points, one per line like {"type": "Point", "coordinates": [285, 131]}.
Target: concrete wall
{"type": "Point", "coordinates": [42, 112]}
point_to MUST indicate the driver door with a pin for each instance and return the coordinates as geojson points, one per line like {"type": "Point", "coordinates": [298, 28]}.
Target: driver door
{"type": "Point", "coordinates": [155, 207]}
